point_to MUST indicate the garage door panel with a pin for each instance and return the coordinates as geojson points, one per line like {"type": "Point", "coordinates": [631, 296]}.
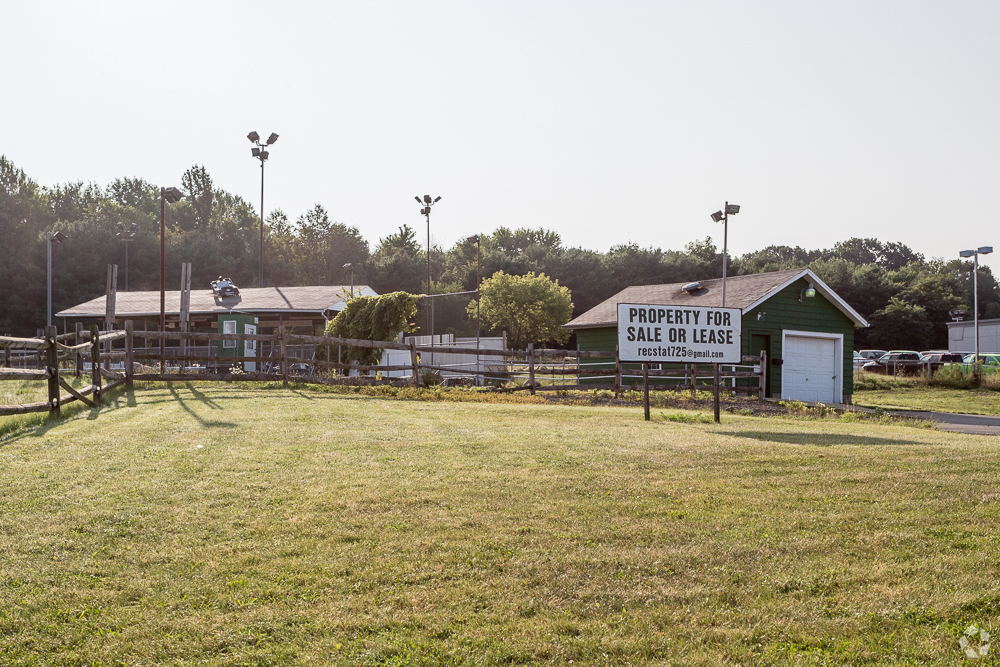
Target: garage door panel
{"type": "Point", "coordinates": [809, 372]}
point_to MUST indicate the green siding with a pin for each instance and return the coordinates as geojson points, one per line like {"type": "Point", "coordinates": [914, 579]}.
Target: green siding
{"type": "Point", "coordinates": [783, 311]}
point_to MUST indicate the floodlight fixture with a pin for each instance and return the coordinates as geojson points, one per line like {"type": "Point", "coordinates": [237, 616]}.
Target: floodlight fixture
{"type": "Point", "coordinates": [723, 217]}
{"type": "Point", "coordinates": [262, 155]}
{"type": "Point", "coordinates": [967, 253]}
{"type": "Point", "coordinates": [473, 239]}
{"type": "Point", "coordinates": [985, 250]}
{"type": "Point", "coordinates": [348, 265]}
{"type": "Point", "coordinates": [809, 292]}
{"type": "Point", "coordinates": [171, 195]}
{"type": "Point", "coordinates": [426, 211]}
{"type": "Point", "coordinates": [59, 237]}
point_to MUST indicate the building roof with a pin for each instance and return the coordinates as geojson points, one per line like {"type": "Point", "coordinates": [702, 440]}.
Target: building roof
{"type": "Point", "coordinates": [311, 300]}
{"type": "Point", "coordinates": [743, 292]}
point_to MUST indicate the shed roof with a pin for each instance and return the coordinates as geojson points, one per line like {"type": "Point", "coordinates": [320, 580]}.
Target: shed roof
{"type": "Point", "coordinates": [309, 300]}
{"type": "Point", "coordinates": [743, 292]}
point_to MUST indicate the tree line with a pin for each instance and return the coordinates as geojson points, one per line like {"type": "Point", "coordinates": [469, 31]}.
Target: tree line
{"type": "Point", "coordinates": [906, 296]}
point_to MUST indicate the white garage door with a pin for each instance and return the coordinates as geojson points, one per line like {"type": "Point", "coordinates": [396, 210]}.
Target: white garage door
{"type": "Point", "coordinates": [809, 371]}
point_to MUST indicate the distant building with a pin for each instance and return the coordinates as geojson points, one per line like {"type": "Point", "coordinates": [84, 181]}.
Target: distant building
{"type": "Point", "coordinates": [962, 336]}
{"type": "Point", "coordinates": [309, 306]}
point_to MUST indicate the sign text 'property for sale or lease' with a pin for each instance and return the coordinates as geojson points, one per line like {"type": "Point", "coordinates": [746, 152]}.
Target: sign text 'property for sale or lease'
{"type": "Point", "coordinates": [684, 334]}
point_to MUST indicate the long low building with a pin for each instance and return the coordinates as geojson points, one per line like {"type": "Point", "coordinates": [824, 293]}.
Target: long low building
{"type": "Point", "coordinates": [307, 306]}
{"type": "Point", "coordinates": [962, 336]}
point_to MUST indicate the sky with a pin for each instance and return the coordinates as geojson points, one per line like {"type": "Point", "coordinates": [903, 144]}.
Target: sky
{"type": "Point", "coordinates": [607, 122]}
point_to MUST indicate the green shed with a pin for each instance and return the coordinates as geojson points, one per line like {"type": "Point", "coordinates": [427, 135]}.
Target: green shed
{"type": "Point", "coordinates": [239, 323]}
{"type": "Point", "coordinates": [805, 327]}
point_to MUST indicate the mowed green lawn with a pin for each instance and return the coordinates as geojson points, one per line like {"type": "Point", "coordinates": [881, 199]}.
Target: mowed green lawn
{"type": "Point", "coordinates": [217, 525]}
{"type": "Point", "coordinates": [922, 397]}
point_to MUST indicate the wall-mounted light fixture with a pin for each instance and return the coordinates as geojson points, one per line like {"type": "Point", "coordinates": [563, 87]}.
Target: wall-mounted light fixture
{"type": "Point", "coordinates": [808, 292]}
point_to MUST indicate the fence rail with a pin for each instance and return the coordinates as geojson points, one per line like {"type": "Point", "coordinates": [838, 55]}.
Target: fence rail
{"type": "Point", "coordinates": [96, 348]}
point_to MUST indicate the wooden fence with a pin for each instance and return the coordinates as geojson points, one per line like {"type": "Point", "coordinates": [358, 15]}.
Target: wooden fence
{"type": "Point", "coordinates": [56, 353]}
{"type": "Point", "coordinates": [538, 363]}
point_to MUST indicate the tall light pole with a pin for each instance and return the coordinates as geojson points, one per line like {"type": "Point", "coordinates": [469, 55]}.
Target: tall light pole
{"type": "Point", "coordinates": [172, 195]}
{"type": "Point", "coordinates": [350, 267]}
{"type": "Point", "coordinates": [723, 217]}
{"type": "Point", "coordinates": [127, 235]}
{"type": "Point", "coordinates": [58, 237]}
{"type": "Point", "coordinates": [261, 154]}
{"type": "Point", "coordinates": [479, 255]}
{"type": "Point", "coordinates": [426, 211]}
{"type": "Point", "coordinates": [974, 254]}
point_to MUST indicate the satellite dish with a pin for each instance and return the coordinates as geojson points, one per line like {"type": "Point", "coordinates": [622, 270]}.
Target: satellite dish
{"type": "Point", "coordinates": [690, 287]}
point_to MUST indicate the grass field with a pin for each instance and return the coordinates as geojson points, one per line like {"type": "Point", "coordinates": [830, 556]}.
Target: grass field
{"type": "Point", "coordinates": [198, 525]}
{"type": "Point", "coordinates": [911, 394]}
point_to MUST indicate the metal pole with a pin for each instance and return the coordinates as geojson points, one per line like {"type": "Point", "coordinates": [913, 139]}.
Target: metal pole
{"type": "Point", "coordinates": [163, 293]}
{"type": "Point", "coordinates": [126, 265]}
{"type": "Point", "coordinates": [260, 271]}
{"type": "Point", "coordinates": [48, 310]}
{"type": "Point", "coordinates": [975, 309]}
{"type": "Point", "coordinates": [725, 250]}
{"type": "Point", "coordinates": [479, 280]}
{"type": "Point", "coordinates": [429, 290]}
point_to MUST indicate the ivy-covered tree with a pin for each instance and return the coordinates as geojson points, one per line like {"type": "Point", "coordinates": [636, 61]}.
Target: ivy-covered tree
{"type": "Point", "coordinates": [372, 318]}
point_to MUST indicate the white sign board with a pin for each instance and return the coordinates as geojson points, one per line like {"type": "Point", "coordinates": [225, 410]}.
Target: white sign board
{"type": "Point", "coordinates": [684, 334]}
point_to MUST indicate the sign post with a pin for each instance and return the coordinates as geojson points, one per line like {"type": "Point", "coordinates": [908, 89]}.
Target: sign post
{"type": "Point", "coordinates": [680, 334]}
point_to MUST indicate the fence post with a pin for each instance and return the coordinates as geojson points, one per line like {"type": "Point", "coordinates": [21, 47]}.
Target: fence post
{"type": "Point", "coordinates": [645, 387]}
{"type": "Point", "coordinates": [413, 363]}
{"type": "Point", "coordinates": [694, 380]}
{"type": "Point", "coordinates": [618, 371]}
{"type": "Point", "coordinates": [78, 371]}
{"type": "Point", "coordinates": [716, 391]}
{"type": "Point", "coordinates": [762, 382]}
{"type": "Point", "coordinates": [531, 368]}
{"type": "Point", "coordinates": [95, 362]}
{"type": "Point", "coordinates": [129, 354]}
{"type": "Point", "coordinates": [52, 368]}
{"type": "Point", "coordinates": [6, 355]}
{"type": "Point", "coordinates": [284, 355]}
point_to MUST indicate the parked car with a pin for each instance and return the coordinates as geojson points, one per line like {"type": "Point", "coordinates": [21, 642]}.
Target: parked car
{"type": "Point", "coordinates": [988, 363]}
{"type": "Point", "coordinates": [896, 361]}
{"type": "Point", "coordinates": [938, 359]}
{"type": "Point", "coordinates": [859, 360]}
{"type": "Point", "coordinates": [874, 355]}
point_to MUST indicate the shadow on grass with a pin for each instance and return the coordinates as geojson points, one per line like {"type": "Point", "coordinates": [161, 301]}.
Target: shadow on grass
{"type": "Point", "coordinates": [40, 423]}
{"type": "Point", "coordinates": [201, 398]}
{"type": "Point", "coordinates": [820, 439]}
